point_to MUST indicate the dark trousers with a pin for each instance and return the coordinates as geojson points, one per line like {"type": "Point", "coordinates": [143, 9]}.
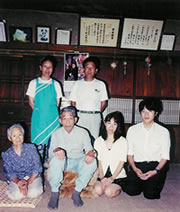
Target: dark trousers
{"type": "Point", "coordinates": [152, 187]}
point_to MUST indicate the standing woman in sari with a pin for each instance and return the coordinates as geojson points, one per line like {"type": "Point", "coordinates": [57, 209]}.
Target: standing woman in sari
{"type": "Point", "coordinates": [44, 98]}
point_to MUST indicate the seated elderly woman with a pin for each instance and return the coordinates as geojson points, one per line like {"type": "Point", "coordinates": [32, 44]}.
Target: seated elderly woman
{"type": "Point", "coordinates": [22, 166]}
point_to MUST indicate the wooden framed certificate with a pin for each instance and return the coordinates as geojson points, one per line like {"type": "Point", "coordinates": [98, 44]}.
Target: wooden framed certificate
{"type": "Point", "coordinates": [99, 32]}
{"type": "Point", "coordinates": [141, 34]}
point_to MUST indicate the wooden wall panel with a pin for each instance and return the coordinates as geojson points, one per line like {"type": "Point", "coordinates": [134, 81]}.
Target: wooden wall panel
{"type": "Point", "coordinates": [119, 82]}
{"type": "Point", "coordinates": [11, 80]}
{"type": "Point", "coordinates": [163, 80]}
{"type": "Point", "coordinates": [176, 77]}
{"type": "Point", "coordinates": [11, 92]}
{"type": "Point", "coordinates": [175, 144]}
{"type": "Point", "coordinates": [147, 84]}
{"type": "Point", "coordinates": [106, 73]}
{"type": "Point", "coordinates": [168, 80]}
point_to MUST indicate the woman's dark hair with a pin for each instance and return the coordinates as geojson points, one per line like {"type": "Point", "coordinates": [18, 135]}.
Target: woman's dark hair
{"type": "Point", "coordinates": [151, 103]}
{"type": "Point", "coordinates": [93, 59]}
{"type": "Point", "coordinates": [74, 62]}
{"type": "Point", "coordinates": [119, 119]}
{"type": "Point", "coordinates": [51, 58]}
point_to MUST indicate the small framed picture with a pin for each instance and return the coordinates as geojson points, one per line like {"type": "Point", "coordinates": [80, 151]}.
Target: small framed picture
{"type": "Point", "coordinates": [63, 36]}
{"type": "Point", "coordinates": [2, 31]}
{"type": "Point", "coordinates": [167, 42]}
{"type": "Point", "coordinates": [43, 34]}
{"type": "Point", "coordinates": [21, 34]}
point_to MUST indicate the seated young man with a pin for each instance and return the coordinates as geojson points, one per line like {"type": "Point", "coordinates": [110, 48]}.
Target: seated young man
{"type": "Point", "coordinates": [149, 147]}
{"type": "Point", "coordinates": [70, 149]}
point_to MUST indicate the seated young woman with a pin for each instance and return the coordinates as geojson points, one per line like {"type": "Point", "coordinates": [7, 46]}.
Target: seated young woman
{"type": "Point", "coordinates": [111, 149]}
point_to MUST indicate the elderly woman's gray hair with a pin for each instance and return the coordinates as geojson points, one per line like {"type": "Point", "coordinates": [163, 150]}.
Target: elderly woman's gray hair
{"type": "Point", "coordinates": [14, 126]}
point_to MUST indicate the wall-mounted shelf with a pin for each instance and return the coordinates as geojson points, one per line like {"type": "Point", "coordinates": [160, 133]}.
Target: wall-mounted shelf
{"type": "Point", "coordinates": [21, 49]}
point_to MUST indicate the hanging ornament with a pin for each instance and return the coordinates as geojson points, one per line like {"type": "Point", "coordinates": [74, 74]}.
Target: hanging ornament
{"type": "Point", "coordinates": [148, 64]}
{"type": "Point", "coordinates": [125, 67]}
{"type": "Point", "coordinates": [114, 64]}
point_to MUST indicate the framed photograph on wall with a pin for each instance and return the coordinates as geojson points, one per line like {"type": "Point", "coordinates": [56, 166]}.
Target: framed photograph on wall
{"type": "Point", "coordinates": [63, 36]}
{"type": "Point", "coordinates": [141, 34]}
{"type": "Point", "coordinates": [99, 32]}
{"type": "Point", "coordinates": [2, 31]}
{"type": "Point", "coordinates": [167, 42]}
{"type": "Point", "coordinates": [73, 68]}
{"type": "Point", "coordinates": [73, 71]}
{"type": "Point", "coordinates": [43, 34]}
{"type": "Point", "coordinates": [21, 34]}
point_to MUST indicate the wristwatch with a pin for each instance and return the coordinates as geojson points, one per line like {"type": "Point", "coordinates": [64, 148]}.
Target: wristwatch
{"type": "Point", "coordinates": [158, 171]}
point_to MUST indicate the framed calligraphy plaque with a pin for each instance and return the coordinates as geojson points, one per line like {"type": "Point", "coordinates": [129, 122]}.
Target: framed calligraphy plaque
{"type": "Point", "coordinates": [141, 34]}
{"type": "Point", "coordinates": [99, 32]}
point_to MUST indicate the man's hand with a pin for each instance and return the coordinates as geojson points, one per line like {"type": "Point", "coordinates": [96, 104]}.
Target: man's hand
{"type": "Point", "coordinates": [90, 157]}
{"type": "Point", "coordinates": [148, 175]}
{"type": "Point", "coordinates": [138, 172]}
{"type": "Point", "coordinates": [59, 153]}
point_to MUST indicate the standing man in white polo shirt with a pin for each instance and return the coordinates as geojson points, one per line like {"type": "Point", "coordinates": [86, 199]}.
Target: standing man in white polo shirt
{"type": "Point", "coordinates": [90, 97]}
{"type": "Point", "coordinates": [148, 154]}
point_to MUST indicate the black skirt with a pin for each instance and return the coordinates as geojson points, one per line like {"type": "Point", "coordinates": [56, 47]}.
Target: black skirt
{"type": "Point", "coordinates": [119, 181]}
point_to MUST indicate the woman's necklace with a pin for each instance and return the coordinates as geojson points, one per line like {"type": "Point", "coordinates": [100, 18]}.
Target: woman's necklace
{"type": "Point", "coordinates": [109, 143]}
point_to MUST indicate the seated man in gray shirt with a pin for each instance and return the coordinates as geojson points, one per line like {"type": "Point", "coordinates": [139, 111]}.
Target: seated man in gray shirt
{"type": "Point", "coordinates": [70, 149]}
